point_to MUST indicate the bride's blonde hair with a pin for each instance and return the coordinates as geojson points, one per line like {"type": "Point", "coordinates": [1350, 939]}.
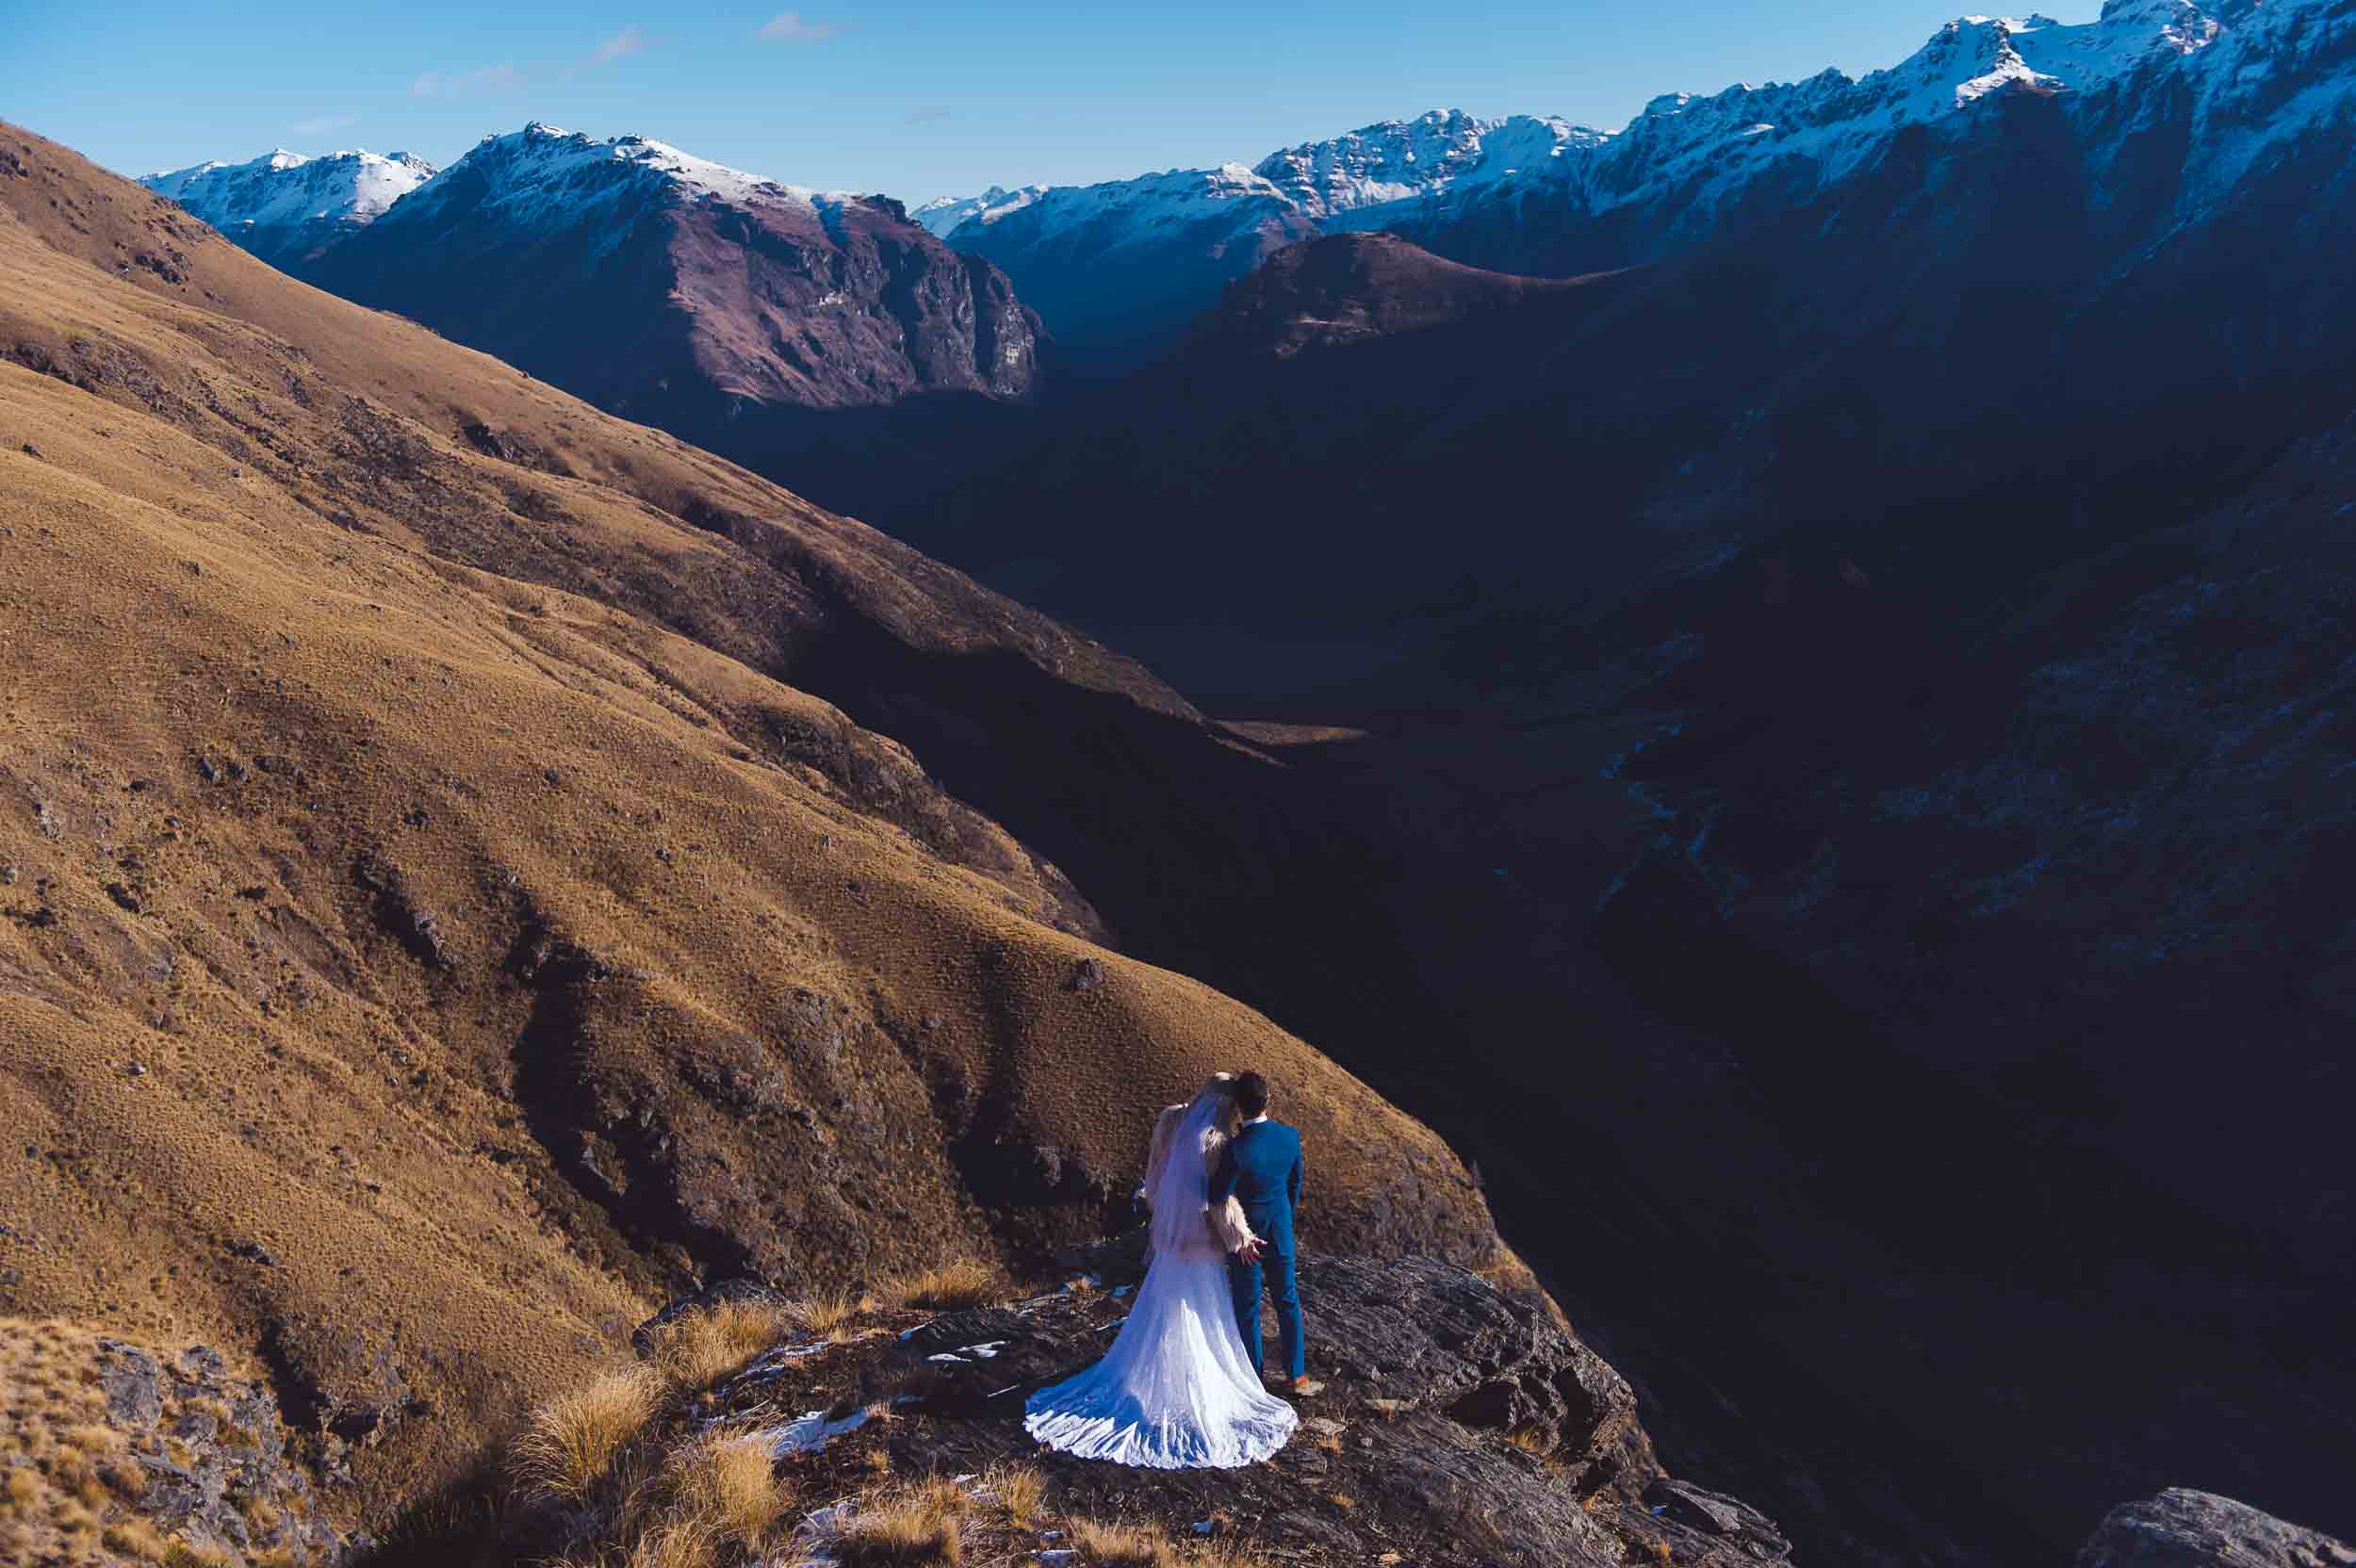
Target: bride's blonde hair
{"type": "Point", "coordinates": [1221, 1089]}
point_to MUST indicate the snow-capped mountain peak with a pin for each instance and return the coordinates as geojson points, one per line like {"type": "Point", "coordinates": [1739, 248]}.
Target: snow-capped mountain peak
{"type": "Point", "coordinates": [551, 172]}
{"type": "Point", "coordinates": [945, 213]}
{"type": "Point", "coordinates": [285, 205]}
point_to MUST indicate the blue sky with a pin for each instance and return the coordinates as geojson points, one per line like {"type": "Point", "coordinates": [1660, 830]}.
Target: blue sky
{"type": "Point", "coordinates": [915, 98]}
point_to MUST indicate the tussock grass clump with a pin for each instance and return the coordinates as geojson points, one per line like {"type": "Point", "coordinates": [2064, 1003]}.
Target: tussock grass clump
{"type": "Point", "coordinates": [826, 1317]}
{"type": "Point", "coordinates": [135, 1538]}
{"type": "Point", "coordinates": [1111, 1546]}
{"type": "Point", "coordinates": [952, 1287]}
{"type": "Point", "coordinates": [1020, 1490]}
{"type": "Point", "coordinates": [913, 1528]}
{"type": "Point", "coordinates": [702, 1348]}
{"type": "Point", "coordinates": [729, 1485]}
{"type": "Point", "coordinates": [676, 1542]}
{"type": "Point", "coordinates": [569, 1448]}
{"type": "Point", "coordinates": [186, 1554]}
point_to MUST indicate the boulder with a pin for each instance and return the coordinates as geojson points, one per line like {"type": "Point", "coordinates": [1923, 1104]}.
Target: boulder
{"type": "Point", "coordinates": [2183, 1528]}
{"type": "Point", "coordinates": [1432, 1336]}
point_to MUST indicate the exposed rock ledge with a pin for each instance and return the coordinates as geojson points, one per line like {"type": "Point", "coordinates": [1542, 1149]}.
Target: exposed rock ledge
{"type": "Point", "coordinates": [2182, 1528]}
{"type": "Point", "coordinates": [1460, 1426]}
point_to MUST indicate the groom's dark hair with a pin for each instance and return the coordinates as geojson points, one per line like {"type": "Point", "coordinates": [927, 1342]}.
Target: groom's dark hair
{"type": "Point", "coordinates": [1251, 1095]}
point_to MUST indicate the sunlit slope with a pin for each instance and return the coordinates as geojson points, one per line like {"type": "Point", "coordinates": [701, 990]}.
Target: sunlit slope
{"type": "Point", "coordinates": [417, 952]}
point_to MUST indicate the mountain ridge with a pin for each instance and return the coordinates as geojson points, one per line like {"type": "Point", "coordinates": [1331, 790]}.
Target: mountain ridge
{"type": "Point", "coordinates": [289, 208]}
{"type": "Point", "coordinates": [1554, 198]}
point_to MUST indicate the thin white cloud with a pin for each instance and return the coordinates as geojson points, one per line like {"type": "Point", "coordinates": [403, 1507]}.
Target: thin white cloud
{"type": "Point", "coordinates": [793, 27]}
{"type": "Point", "coordinates": [320, 124]}
{"type": "Point", "coordinates": [926, 114]}
{"type": "Point", "coordinates": [480, 83]}
{"type": "Point", "coordinates": [627, 42]}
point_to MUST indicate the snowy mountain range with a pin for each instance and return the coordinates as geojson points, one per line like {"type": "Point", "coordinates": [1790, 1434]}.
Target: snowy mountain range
{"type": "Point", "coordinates": [1542, 194]}
{"type": "Point", "coordinates": [287, 208]}
{"type": "Point", "coordinates": [544, 175]}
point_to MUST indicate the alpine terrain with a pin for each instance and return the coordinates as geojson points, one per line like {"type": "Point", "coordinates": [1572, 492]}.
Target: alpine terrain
{"type": "Point", "coordinates": [1757, 702]}
{"type": "Point", "coordinates": [819, 334]}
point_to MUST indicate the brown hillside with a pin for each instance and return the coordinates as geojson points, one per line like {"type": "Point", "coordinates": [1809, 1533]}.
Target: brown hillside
{"type": "Point", "coordinates": [428, 930]}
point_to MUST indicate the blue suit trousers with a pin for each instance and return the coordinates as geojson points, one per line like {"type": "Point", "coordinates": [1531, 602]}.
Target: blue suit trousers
{"type": "Point", "coordinates": [1272, 1275]}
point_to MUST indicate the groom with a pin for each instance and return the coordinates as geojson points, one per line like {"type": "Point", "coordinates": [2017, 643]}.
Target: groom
{"type": "Point", "coordinates": [1262, 1169]}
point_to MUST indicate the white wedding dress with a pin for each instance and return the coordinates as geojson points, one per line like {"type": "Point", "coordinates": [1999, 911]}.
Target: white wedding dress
{"type": "Point", "coordinates": [1175, 1391]}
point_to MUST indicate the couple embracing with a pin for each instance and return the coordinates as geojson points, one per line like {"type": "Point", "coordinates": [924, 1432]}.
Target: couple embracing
{"type": "Point", "coordinates": [1183, 1386]}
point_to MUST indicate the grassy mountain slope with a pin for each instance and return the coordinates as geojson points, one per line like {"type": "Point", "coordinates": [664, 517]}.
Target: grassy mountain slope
{"type": "Point", "coordinates": [433, 929]}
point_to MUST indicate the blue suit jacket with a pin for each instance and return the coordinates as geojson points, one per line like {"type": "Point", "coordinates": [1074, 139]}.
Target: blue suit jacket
{"type": "Point", "coordinates": [1262, 1168]}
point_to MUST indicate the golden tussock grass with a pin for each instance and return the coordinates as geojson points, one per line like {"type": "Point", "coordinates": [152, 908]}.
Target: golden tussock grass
{"type": "Point", "coordinates": [186, 1554]}
{"type": "Point", "coordinates": [913, 1527]}
{"type": "Point", "coordinates": [951, 1287]}
{"type": "Point", "coordinates": [1111, 1546]}
{"type": "Point", "coordinates": [677, 1542]}
{"type": "Point", "coordinates": [135, 1538]}
{"type": "Point", "coordinates": [1020, 1490]}
{"type": "Point", "coordinates": [569, 1448]}
{"type": "Point", "coordinates": [731, 1484]}
{"type": "Point", "coordinates": [826, 1317]}
{"type": "Point", "coordinates": [702, 1348]}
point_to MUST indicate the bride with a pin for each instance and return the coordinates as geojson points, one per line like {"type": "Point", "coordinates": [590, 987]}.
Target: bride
{"type": "Point", "coordinates": [1176, 1391]}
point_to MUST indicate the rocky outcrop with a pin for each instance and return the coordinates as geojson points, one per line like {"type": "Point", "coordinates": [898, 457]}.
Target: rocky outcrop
{"type": "Point", "coordinates": [146, 1452]}
{"type": "Point", "coordinates": [2182, 1528]}
{"type": "Point", "coordinates": [1458, 1426]}
{"type": "Point", "coordinates": [213, 1452]}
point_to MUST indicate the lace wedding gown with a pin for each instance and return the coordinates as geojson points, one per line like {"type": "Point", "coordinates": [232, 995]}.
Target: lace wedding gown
{"type": "Point", "coordinates": [1175, 1391]}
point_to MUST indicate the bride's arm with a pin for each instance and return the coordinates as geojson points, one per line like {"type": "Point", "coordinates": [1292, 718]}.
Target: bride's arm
{"type": "Point", "coordinates": [1228, 1228]}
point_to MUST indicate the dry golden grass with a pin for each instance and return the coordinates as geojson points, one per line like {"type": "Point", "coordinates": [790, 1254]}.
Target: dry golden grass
{"type": "Point", "coordinates": [184, 1554]}
{"type": "Point", "coordinates": [826, 1317]}
{"type": "Point", "coordinates": [677, 1542]}
{"type": "Point", "coordinates": [731, 1484]}
{"type": "Point", "coordinates": [1020, 1490]}
{"type": "Point", "coordinates": [952, 1287]}
{"type": "Point", "coordinates": [698, 1349]}
{"type": "Point", "coordinates": [1227, 1553]}
{"type": "Point", "coordinates": [135, 1538]}
{"type": "Point", "coordinates": [1114, 1545]}
{"type": "Point", "coordinates": [570, 1445]}
{"type": "Point", "coordinates": [913, 1527]}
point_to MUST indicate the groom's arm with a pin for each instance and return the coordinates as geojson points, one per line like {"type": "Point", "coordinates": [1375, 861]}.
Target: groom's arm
{"type": "Point", "coordinates": [1300, 1163]}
